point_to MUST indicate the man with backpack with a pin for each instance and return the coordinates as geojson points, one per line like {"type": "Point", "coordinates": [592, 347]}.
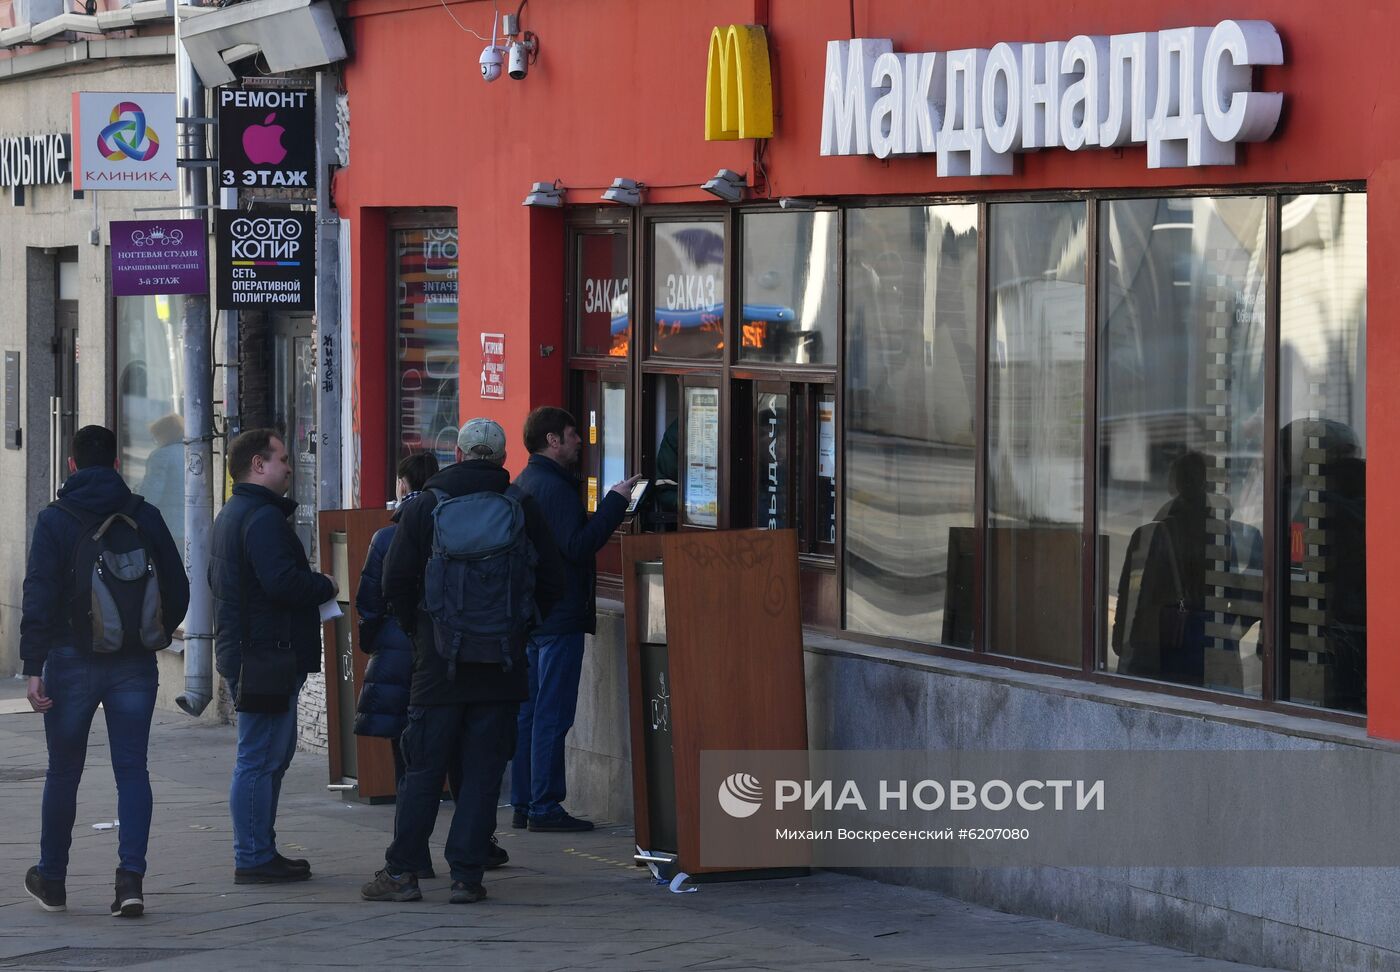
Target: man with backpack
{"type": "Point", "coordinates": [470, 569]}
{"type": "Point", "coordinates": [267, 639]}
{"type": "Point", "coordinates": [103, 591]}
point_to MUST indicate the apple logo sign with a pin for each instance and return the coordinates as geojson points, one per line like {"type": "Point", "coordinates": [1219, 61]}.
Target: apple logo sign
{"type": "Point", "coordinates": [263, 143]}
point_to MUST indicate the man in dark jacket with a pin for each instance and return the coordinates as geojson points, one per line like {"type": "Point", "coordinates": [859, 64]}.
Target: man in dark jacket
{"type": "Point", "coordinates": [267, 638]}
{"type": "Point", "coordinates": [469, 715]}
{"type": "Point", "coordinates": [68, 680]}
{"type": "Point", "coordinates": [537, 788]}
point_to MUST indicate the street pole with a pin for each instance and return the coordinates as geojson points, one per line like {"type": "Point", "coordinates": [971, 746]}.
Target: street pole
{"type": "Point", "coordinates": [329, 353]}
{"type": "Point", "coordinates": [199, 408]}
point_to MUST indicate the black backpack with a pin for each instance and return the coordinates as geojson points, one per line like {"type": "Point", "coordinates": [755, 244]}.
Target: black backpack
{"type": "Point", "coordinates": [114, 581]}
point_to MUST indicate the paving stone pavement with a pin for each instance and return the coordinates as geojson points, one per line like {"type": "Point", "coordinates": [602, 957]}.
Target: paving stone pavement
{"type": "Point", "coordinates": [564, 902]}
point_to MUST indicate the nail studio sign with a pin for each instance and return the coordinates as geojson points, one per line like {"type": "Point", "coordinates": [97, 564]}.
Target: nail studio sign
{"type": "Point", "coordinates": [1186, 93]}
{"type": "Point", "coordinates": [267, 138]}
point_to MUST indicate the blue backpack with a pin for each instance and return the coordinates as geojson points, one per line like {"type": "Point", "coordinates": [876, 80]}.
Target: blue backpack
{"type": "Point", "coordinates": [479, 587]}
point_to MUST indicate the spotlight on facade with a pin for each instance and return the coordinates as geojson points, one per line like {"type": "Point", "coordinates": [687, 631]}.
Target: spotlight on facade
{"type": "Point", "coordinates": [792, 202]}
{"type": "Point", "coordinates": [624, 192]}
{"type": "Point", "coordinates": [727, 185]}
{"type": "Point", "coordinates": [547, 194]}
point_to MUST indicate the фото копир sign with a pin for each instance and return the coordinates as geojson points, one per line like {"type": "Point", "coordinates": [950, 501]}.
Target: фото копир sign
{"type": "Point", "coordinates": [266, 257]}
{"type": "Point", "coordinates": [123, 140]}
{"type": "Point", "coordinates": [159, 257]}
{"type": "Point", "coordinates": [267, 137]}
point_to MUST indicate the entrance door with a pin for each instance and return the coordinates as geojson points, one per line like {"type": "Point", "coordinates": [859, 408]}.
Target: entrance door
{"type": "Point", "coordinates": [63, 406]}
{"type": "Point", "coordinates": [294, 409]}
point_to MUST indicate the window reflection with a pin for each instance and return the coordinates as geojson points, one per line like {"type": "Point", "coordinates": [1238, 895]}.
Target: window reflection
{"type": "Point", "coordinates": [911, 381]}
{"type": "Point", "coordinates": [427, 353]}
{"type": "Point", "coordinates": [1181, 412]}
{"type": "Point", "coordinates": [1035, 430]}
{"type": "Point", "coordinates": [1322, 450]}
{"type": "Point", "coordinates": [790, 288]}
{"type": "Point", "coordinates": [603, 295]}
{"type": "Point", "coordinates": [688, 297]}
{"type": "Point", "coordinates": [150, 400]}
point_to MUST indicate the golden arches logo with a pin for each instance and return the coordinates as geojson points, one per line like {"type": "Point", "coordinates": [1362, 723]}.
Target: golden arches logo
{"type": "Point", "coordinates": [738, 85]}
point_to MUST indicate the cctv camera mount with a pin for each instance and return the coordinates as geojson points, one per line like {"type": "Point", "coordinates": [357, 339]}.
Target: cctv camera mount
{"type": "Point", "coordinates": [492, 56]}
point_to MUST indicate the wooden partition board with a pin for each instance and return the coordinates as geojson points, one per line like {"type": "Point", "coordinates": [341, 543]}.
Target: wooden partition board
{"type": "Point", "coordinates": [734, 633]}
{"type": "Point", "coordinates": [374, 756]}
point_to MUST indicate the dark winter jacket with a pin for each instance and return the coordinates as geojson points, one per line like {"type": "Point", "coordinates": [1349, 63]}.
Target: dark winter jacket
{"type": "Point", "coordinates": [405, 564]}
{"type": "Point", "coordinates": [579, 537]}
{"type": "Point", "coordinates": [47, 618]}
{"type": "Point", "coordinates": [282, 593]}
{"type": "Point", "coordinates": [383, 706]}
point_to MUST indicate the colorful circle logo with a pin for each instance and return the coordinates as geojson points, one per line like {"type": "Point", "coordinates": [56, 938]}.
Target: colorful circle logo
{"type": "Point", "coordinates": [128, 137]}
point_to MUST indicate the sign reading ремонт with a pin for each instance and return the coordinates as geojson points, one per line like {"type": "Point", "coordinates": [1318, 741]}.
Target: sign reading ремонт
{"type": "Point", "coordinates": [267, 138]}
{"type": "Point", "coordinates": [266, 258]}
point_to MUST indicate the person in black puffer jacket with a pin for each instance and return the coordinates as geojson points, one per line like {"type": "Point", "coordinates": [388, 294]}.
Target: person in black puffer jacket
{"type": "Point", "coordinates": [383, 705]}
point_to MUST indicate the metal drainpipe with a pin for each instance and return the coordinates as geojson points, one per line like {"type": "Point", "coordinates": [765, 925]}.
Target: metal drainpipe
{"type": "Point", "coordinates": [199, 393]}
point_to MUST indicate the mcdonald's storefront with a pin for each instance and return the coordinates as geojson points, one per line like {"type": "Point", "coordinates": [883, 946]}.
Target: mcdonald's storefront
{"type": "Point", "coordinates": [1045, 328]}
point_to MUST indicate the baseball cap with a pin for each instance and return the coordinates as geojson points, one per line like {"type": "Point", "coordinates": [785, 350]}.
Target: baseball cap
{"type": "Point", "coordinates": [482, 438]}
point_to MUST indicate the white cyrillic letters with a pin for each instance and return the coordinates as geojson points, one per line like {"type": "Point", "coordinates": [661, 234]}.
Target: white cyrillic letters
{"type": "Point", "coordinates": [962, 145]}
{"type": "Point", "coordinates": [1177, 135]}
{"type": "Point", "coordinates": [1042, 87]}
{"type": "Point", "coordinates": [1001, 98]}
{"type": "Point", "coordinates": [925, 85]}
{"type": "Point", "coordinates": [1233, 112]}
{"type": "Point", "coordinates": [887, 117]}
{"type": "Point", "coordinates": [849, 95]}
{"type": "Point", "coordinates": [1132, 88]}
{"type": "Point", "coordinates": [1085, 63]}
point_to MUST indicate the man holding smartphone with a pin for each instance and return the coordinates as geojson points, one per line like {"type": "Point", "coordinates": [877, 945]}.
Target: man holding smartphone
{"type": "Point", "coordinates": [555, 648]}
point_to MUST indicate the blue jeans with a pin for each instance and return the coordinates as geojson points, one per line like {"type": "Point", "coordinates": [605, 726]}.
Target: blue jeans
{"type": "Point", "coordinates": [125, 685]}
{"type": "Point", "coordinates": [479, 738]}
{"type": "Point", "coordinates": [266, 743]}
{"type": "Point", "coordinates": [537, 771]}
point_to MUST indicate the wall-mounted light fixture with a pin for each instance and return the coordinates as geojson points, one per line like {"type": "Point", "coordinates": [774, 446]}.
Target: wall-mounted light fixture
{"type": "Point", "coordinates": [727, 185]}
{"type": "Point", "coordinates": [547, 194]}
{"type": "Point", "coordinates": [624, 192]}
{"type": "Point", "coordinates": [792, 202]}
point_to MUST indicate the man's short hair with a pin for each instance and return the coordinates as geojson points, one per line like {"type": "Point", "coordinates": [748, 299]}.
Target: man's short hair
{"type": "Point", "coordinates": [94, 445]}
{"type": "Point", "coordinates": [417, 469]}
{"type": "Point", "coordinates": [254, 442]}
{"type": "Point", "coordinates": [543, 422]}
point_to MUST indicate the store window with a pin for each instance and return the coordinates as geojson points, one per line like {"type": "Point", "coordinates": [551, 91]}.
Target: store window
{"type": "Point", "coordinates": [1181, 438]}
{"type": "Point", "coordinates": [150, 404]}
{"type": "Point", "coordinates": [1322, 450]}
{"type": "Point", "coordinates": [1037, 254]}
{"type": "Point", "coordinates": [425, 365]}
{"type": "Point", "coordinates": [602, 319]}
{"type": "Point", "coordinates": [687, 266]}
{"type": "Point", "coordinates": [790, 289]}
{"type": "Point", "coordinates": [910, 403]}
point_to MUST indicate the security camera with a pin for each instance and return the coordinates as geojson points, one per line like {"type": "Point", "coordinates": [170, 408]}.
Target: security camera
{"type": "Point", "coordinates": [491, 64]}
{"type": "Point", "coordinates": [519, 60]}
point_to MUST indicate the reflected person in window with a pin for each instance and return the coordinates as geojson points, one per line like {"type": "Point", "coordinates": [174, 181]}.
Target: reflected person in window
{"type": "Point", "coordinates": [164, 484]}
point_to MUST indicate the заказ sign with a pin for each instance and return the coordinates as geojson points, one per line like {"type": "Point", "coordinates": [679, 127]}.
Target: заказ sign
{"type": "Point", "coordinates": [1183, 92]}
{"type": "Point", "coordinates": [266, 258]}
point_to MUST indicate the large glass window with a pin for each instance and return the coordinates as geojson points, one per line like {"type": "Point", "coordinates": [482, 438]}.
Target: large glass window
{"type": "Point", "coordinates": [1181, 422]}
{"type": "Point", "coordinates": [426, 362]}
{"type": "Point", "coordinates": [151, 403]}
{"type": "Point", "coordinates": [688, 289]}
{"type": "Point", "coordinates": [1322, 450]}
{"type": "Point", "coordinates": [910, 386]}
{"type": "Point", "coordinates": [602, 318]}
{"type": "Point", "coordinates": [1035, 430]}
{"type": "Point", "coordinates": [790, 288]}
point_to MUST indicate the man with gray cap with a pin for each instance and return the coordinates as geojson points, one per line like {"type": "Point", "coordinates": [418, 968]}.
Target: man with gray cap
{"type": "Point", "coordinates": [458, 705]}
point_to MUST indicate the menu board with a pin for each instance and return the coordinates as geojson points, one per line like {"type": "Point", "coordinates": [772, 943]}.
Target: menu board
{"type": "Point", "coordinates": [702, 456]}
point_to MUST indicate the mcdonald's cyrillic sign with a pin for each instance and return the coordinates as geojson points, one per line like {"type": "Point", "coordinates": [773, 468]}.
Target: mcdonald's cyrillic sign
{"type": "Point", "coordinates": [738, 85]}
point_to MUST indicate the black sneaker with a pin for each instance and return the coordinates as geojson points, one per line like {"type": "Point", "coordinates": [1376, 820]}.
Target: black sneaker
{"type": "Point", "coordinates": [559, 823]}
{"type": "Point", "coordinates": [293, 863]}
{"type": "Point", "coordinates": [464, 893]}
{"type": "Point", "coordinates": [519, 820]}
{"type": "Point", "coordinates": [51, 895]}
{"type": "Point", "coordinates": [276, 871]}
{"type": "Point", "coordinates": [496, 855]}
{"type": "Point", "coordinates": [386, 887]}
{"type": "Point", "coordinates": [129, 902]}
